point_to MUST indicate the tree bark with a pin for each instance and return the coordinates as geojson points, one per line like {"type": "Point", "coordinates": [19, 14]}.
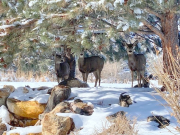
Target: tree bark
{"type": "Point", "coordinates": [170, 40]}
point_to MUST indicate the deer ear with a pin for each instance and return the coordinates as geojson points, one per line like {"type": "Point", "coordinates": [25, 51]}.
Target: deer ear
{"type": "Point", "coordinates": [82, 49]}
{"type": "Point", "coordinates": [135, 43]}
{"type": "Point", "coordinates": [54, 53]}
{"type": "Point", "coordinates": [124, 43]}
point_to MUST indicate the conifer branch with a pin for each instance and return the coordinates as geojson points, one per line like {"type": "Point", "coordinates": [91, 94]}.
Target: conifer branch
{"type": "Point", "coordinates": [154, 29]}
{"type": "Point", "coordinates": [154, 13]}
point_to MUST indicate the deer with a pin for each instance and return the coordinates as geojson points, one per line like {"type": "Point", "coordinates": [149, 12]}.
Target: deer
{"type": "Point", "coordinates": [93, 64]}
{"type": "Point", "coordinates": [62, 68]}
{"type": "Point", "coordinates": [136, 62]}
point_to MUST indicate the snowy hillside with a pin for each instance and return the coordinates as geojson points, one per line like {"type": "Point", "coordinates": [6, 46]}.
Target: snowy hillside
{"type": "Point", "coordinates": [146, 102]}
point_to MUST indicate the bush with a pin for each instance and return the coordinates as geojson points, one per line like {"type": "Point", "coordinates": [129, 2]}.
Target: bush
{"type": "Point", "coordinates": [171, 85]}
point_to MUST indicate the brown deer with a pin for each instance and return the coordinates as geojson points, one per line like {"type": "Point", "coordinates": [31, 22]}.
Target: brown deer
{"type": "Point", "coordinates": [136, 62]}
{"type": "Point", "coordinates": [62, 68]}
{"type": "Point", "coordinates": [93, 64]}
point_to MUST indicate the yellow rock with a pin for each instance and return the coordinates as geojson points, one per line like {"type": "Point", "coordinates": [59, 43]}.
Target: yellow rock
{"type": "Point", "coordinates": [27, 109]}
{"type": "Point", "coordinates": [11, 133]}
{"type": "Point", "coordinates": [19, 134]}
{"type": "Point", "coordinates": [34, 134]}
{"type": "Point", "coordinates": [30, 123]}
{"type": "Point", "coordinates": [56, 125]}
{"type": "Point", "coordinates": [10, 87]}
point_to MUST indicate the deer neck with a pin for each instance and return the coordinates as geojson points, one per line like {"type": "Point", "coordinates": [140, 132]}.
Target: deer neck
{"type": "Point", "coordinates": [131, 57]}
{"type": "Point", "coordinates": [80, 62]}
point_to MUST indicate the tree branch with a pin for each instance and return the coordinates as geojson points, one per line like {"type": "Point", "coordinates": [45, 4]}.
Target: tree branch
{"type": "Point", "coordinates": [154, 29]}
{"type": "Point", "coordinates": [154, 13]}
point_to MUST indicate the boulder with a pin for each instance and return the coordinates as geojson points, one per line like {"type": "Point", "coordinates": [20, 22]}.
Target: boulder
{"type": "Point", "coordinates": [27, 109]}
{"type": "Point", "coordinates": [63, 107]}
{"type": "Point", "coordinates": [82, 108]}
{"type": "Point", "coordinates": [17, 121]}
{"type": "Point", "coordinates": [56, 125]}
{"type": "Point", "coordinates": [112, 117]}
{"type": "Point", "coordinates": [34, 134]}
{"type": "Point", "coordinates": [163, 122]}
{"type": "Point", "coordinates": [3, 96]}
{"type": "Point", "coordinates": [11, 133]}
{"type": "Point", "coordinates": [43, 88]}
{"type": "Point", "coordinates": [125, 100]}
{"type": "Point", "coordinates": [74, 82]}
{"type": "Point", "coordinates": [19, 134]}
{"type": "Point", "coordinates": [58, 94]}
{"type": "Point", "coordinates": [10, 88]}
{"type": "Point", "coordinates": [2, 128]}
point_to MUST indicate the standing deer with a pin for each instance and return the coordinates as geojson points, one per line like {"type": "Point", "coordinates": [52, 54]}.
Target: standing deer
{"type": "Point", "coordinates": [91, 64]}
{"type": "Point", "coordinates": [136, 62]}
{"type": "Point", "coordinates": [61, 67]}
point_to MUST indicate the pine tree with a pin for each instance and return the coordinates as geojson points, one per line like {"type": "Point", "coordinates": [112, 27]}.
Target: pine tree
{"type": "Point", "coordinates": [37, 28]}
{"type": "Point", "coordinates": [157, 17]}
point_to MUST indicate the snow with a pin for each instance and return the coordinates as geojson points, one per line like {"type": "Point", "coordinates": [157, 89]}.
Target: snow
{"type": "Point", "coordinates": [137, 11]}
{"type": "Point", "coordinates": [26, 130]}
{"type": "Point", "coordinates": [105, 99]}
{"type": "Point", "coordinates": [4, 114]}
{"type": "Point", "coordinates": [125, 27]}
{"type": "Point", "coordinates": [54, 1]}
{"type": "Point", "coordinates": [118, 1]}
{"type": "Point", "coordinates": [32, 95]}
{"type": "Point", "coordinates": [31, 3]}
{"type": "Point", "coordinates": [109, 6]}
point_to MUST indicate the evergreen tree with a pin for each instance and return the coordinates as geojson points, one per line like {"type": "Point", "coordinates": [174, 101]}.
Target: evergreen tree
{"type": "Point", "coordinates": [144, 17]}
{"type": "Point", "coordinates": [37, 28]}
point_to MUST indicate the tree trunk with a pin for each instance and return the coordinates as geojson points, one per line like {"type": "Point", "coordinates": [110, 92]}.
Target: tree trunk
{"type": "Point", "coordinates": [170, 40]}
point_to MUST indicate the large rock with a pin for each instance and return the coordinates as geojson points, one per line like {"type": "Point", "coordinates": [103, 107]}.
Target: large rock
{"type": "Point", "coordinates": [162, 121]}
{"type": "Point", "coordinates": [27, 109]}
{"type": "Point", "coordinates": [19, 134]}
{"type": "Point", "coordinates": [113, 117]}
{"type": "Point", "coordinates": [3, 96]}
{"type": "Point", "coordinates": [63, 107]}
{"type": "Point", "coordinates": [58, 94]}
{"type": "Point", "coordinates": [56, 125]}
{"type": "Point", "coordinates": [10, 88]}
{"type": "Point", "coordinates": [17, 121]}
{"type": "Point", "coordinates": [2, 128]}
{"type": "Point", "coordinates": [81, 108]}
{"type": "Point", "coordinates": [34, 134]}
{"type": "Point", "coordinates": [74, 82]}
{"type": "Point", "coordinates": [125, 100]}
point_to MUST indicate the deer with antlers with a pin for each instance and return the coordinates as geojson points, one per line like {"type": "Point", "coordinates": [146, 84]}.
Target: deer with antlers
{"type": "Point", "coordinates": [136, 62]}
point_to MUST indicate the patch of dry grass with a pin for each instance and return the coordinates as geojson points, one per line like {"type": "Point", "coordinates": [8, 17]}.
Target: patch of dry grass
{"type": "Point", "coordinates": [171, 83]}
{"type": "Point", "coordinates": [119, 126]}
{"type": "Point", "coordinates": [112, 73]}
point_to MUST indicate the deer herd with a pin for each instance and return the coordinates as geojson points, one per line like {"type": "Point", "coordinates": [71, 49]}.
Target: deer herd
{"type": "Point", "coordinates": [95, 64]}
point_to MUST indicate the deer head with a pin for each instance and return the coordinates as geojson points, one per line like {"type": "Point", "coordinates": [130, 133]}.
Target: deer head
{"type": "Point", "coordinates": [130, 47]}
{"type": "Point", "coordinates": [60, 58]}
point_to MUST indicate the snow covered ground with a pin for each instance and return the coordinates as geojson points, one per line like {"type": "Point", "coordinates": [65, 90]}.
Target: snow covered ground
{"type": "Point", "coordinates": [105, 99]}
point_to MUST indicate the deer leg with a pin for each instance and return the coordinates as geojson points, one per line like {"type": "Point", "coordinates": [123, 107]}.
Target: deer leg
{"type": "Point", "coordinates": [83, 74]}
{"type": "Point", "coordinates": [139, 79]}
{"type": "Point", "coordinates": [142, 77]}
{"type": "Point", "coordinates": [96, 76]}
{"type": "Point", "coordinates": [86, 77]}
{"type": "Point", "coordinates": [132, 78]}
{"type": "Point", "coordinates": [58, 80]}
{"type": "Point", "coordinates": [66, 77]}
{"type": "Point", "coordinates": [99, 77]}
